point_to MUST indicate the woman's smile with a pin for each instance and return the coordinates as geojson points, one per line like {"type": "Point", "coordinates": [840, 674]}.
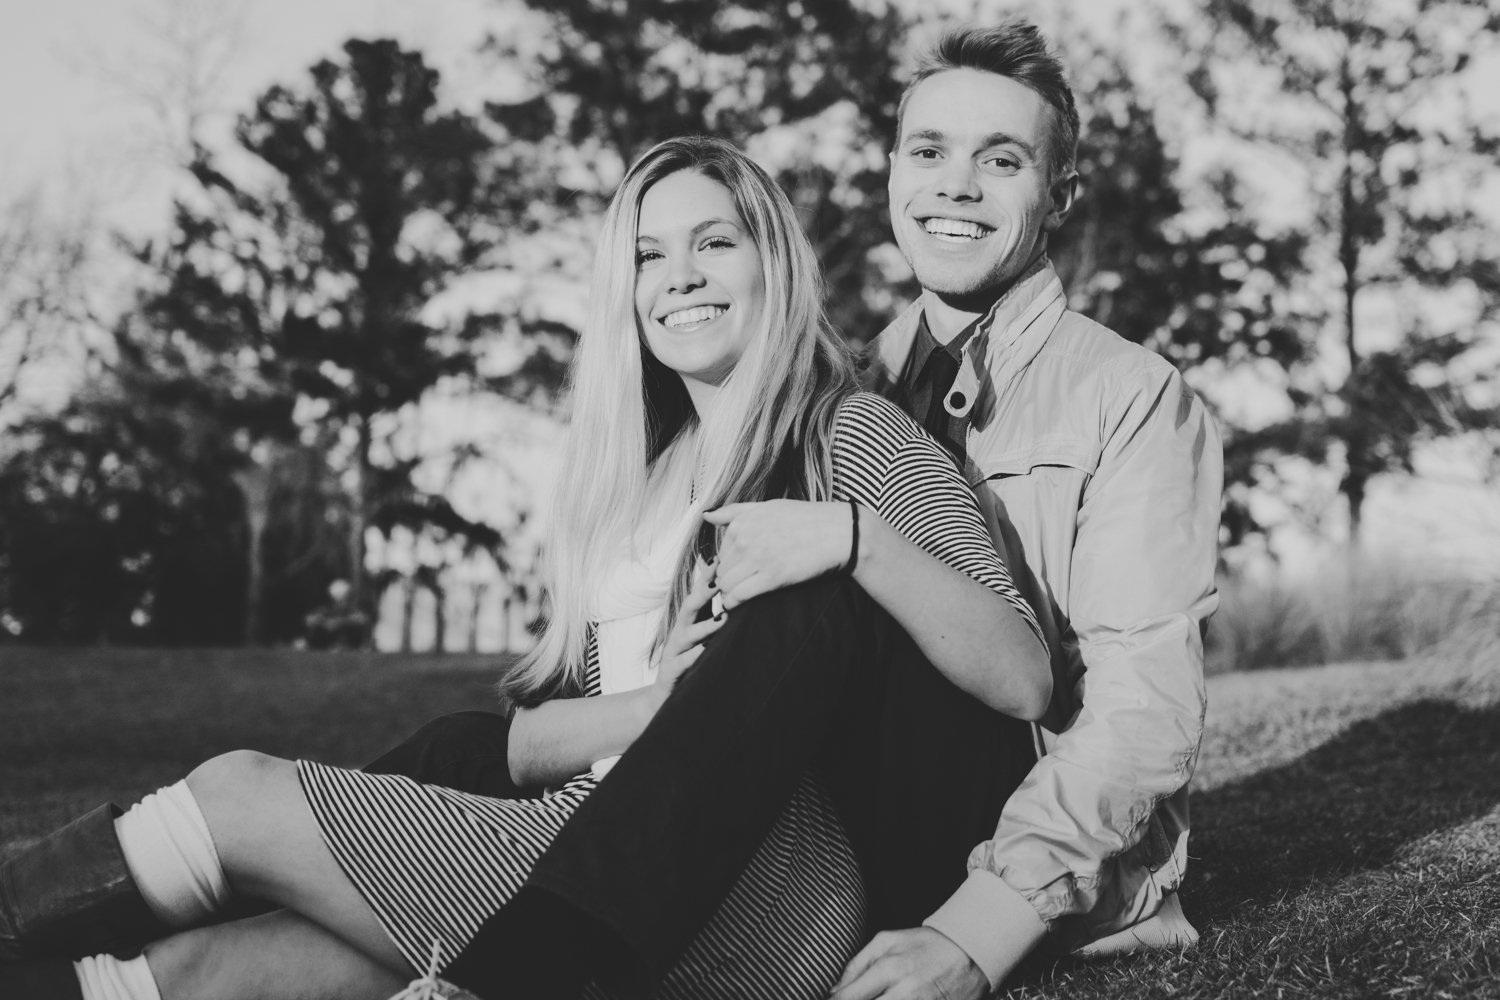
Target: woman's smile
{"type": "Point", "coordinates": [692, 317]}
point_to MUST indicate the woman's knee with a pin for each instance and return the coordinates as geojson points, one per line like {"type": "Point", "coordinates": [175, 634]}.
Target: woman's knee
{"type": "Point", "coordinates": [237, 771]}
{"type": "Point", "coordinates": [234, 787]}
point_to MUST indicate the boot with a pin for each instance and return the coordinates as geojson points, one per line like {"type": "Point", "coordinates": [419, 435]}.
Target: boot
{"type": "Point", "coordinates": [71, 895]}
{"type": "Point", "coordinates": [50, 980]}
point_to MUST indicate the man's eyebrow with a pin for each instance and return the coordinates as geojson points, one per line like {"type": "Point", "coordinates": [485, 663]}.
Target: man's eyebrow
{"type": "Point", "coordinates": [924, 134]}
{"type": "Point", "coordinates": [1006, 139]}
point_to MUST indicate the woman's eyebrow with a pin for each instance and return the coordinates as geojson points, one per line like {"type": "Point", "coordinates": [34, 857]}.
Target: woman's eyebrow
{"type": "Point", "coordinates": [710, 223]}
{"type": "Point", "coordinates": [705, 224]}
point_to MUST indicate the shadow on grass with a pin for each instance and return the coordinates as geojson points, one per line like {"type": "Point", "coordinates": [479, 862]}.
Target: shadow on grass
{"type": "Point", "coordinates": [1347, 806]}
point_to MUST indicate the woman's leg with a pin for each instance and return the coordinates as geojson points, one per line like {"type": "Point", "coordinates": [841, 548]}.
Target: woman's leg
{"type": "Point", "coordinates": [270, 847]}
{"type": "Point", "coordinates": [279, 955]}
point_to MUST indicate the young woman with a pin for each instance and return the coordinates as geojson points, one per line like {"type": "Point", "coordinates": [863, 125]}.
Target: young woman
{"type": "Point", "coordinates": [772, 589]}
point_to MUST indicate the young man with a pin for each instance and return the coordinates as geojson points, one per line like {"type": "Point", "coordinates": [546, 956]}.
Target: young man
{"type": "Point", "coordinates": [1100, 473]}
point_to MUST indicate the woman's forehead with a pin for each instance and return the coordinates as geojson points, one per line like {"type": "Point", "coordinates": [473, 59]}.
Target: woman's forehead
{"type": "Point", "coordinates": [683, 202]}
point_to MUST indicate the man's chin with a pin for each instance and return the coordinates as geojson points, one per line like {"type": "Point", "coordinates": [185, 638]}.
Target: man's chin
{"type": "Point", "coordinates": [957, 285]}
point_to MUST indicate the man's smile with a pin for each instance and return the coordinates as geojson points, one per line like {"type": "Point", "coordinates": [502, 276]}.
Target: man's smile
{"type": "Point", "coordinates": [955, 230]}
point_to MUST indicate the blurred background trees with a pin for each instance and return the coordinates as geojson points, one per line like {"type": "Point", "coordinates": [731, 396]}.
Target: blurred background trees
{"type": "Point", "coordinates": [1366, 98]}
{"type": "Point", "coordinates": [239, 462]}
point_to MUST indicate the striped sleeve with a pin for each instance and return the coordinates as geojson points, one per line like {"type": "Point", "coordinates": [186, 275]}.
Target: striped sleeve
{"type": "Point", "coordinates": [882, 459]}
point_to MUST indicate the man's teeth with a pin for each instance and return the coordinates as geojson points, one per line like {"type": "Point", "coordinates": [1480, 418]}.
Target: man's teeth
{"type": "Point", "coordinates": [697, 314]}
{"type": "Point", "coordinates": [956, 227]}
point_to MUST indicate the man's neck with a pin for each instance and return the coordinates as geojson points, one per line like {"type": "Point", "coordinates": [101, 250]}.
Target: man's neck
{"type": "Point", "coordinates": [949, 315]}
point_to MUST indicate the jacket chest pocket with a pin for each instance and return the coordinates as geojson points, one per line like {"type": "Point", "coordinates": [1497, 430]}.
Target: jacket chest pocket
{"type": "Point", "coordinates": [1002, 462]}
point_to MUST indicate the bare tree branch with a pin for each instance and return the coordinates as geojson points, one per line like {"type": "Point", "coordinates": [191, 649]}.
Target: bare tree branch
{"type": "Point", "coordinates": [40, 270]}
{"type": "Point", "coordinates": [179, 78]}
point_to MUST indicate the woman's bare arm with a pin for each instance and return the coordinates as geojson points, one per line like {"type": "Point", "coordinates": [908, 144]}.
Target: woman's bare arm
{"type": "Point", "coordinates": [561, 738]}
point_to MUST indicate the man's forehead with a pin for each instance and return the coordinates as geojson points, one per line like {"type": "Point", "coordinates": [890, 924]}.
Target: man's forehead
{"type": "Point", "coordinates": [967, 106]}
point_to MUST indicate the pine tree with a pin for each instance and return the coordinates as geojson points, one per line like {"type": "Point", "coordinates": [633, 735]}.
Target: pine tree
{"type": "Point", "coordinates": [1366, 96]}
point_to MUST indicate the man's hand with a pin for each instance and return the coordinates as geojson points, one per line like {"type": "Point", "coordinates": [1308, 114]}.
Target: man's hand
{"type": "Point", "coordinates": [919, 964]}
{"type": "Point", "coordinates": [778, 543]}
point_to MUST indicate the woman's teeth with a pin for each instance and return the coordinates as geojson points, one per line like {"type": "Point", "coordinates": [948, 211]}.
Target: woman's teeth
{"type": "Point", "coordinates": [697, 314]}
{"type": "Point", "coordinates": [956, 228]}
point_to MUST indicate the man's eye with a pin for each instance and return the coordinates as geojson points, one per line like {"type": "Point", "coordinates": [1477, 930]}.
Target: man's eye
{"type": "Point", "coordinates": [1008, 164]}
{"type": "Point", "coordinates": [925, 153]}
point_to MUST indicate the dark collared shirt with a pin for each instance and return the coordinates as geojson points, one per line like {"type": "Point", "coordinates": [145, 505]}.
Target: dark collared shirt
{"type": "Point", "coordinates": [930, 370]}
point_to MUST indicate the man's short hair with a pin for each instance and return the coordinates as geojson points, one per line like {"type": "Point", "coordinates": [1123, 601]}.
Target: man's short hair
{"type": "Point", "coordinates": [1016, 49]}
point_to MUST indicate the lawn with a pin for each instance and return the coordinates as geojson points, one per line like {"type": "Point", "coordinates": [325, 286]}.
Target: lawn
{"type": "Point", "coordinates": [1347, 818]}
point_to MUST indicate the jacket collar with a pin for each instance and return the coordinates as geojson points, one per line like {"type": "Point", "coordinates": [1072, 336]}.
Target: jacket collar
{"type": "Point", "coordinates": [1004, 341]}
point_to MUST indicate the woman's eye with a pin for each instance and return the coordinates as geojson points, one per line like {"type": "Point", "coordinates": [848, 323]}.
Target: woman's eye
{"type": "Point", "coordinates": [718, 243]}
{"type": "Point", "coordinates": [646, 257]}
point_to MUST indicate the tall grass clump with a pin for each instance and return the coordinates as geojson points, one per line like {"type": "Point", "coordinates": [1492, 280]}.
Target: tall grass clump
{"type": "Point", "coordinates": [1355, 609]}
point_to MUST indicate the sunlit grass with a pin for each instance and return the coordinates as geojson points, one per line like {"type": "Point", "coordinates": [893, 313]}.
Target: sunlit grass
{"type": "Point", "coordinates": [1354, 609]}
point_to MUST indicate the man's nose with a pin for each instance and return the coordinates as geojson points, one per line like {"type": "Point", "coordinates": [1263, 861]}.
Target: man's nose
{"type": "Point", "coordinates": [958, 181]}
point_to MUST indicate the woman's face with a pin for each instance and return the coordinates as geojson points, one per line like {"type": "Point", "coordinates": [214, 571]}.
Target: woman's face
{"type": "Point", "coordinates": [699, 287]}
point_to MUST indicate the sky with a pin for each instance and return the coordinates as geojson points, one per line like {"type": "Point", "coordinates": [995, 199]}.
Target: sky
{"type": "Point", "coordinates": [76, 132]}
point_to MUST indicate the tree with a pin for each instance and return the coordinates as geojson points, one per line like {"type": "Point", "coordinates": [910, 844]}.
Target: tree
{"type": "Point", "coordinates": [278, 345]}
{"type": "Point", "coordinates": [380, 201]}
{"type": "Point", "coordinates": [1365, 96]}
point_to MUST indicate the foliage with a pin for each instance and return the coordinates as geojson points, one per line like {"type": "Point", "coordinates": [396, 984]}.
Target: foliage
{"type": "Point", "coordinates": [292, 315]}
{"type": "Point", "coordinates": [118, 524]}
{"type": "Point", "coordinates": [1362, 94]}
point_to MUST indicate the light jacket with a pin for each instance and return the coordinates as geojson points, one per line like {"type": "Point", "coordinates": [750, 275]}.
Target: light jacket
{"type": "Point", "coordinates": [1100, 475]}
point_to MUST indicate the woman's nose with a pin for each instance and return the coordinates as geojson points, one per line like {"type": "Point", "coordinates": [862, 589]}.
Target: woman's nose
{"type": "Point", "coordinates": [683, 275]}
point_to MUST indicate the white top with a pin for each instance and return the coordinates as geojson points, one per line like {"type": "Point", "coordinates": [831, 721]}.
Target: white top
{"type": "Point", "coordinates": [635, 590]}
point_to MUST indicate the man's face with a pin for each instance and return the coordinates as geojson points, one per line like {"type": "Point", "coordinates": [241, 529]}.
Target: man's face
{"type": "Point", "coordinates": [970, 192]}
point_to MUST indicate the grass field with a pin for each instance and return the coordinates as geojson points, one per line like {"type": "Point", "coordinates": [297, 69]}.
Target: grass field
{"type": "Point", "coordinates": [1347, 818]}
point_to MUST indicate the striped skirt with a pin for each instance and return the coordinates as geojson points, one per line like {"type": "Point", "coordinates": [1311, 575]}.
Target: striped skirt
{"type": "Point", "coordinates": [434, 864]}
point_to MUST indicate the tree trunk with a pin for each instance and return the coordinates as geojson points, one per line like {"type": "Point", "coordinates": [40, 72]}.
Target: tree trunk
{"type": "Point", "coordinates": [439, 619]}
{"type": "Point", "coordinates": [408, 609]}
{"type": "Point", "coordinates": [476, 602]}
{"type": "Point", "coordinates": [1354, 482]}
{"type": "Point", "coordinates": [254, 482]}
{"type": "Point", "coordinates": [359, 519]}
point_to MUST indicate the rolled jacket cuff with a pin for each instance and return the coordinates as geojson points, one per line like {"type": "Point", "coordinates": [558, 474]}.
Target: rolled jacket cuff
{"type": "Point", "coordinates": [994, 924]}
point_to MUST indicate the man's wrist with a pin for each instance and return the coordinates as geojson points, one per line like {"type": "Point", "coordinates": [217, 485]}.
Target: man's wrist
{"type": "Point", "coordinates": [993, 924]}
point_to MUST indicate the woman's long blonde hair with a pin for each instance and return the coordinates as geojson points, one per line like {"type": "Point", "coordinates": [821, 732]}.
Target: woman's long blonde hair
{"type": "Point", "coordinates": [769, 433]}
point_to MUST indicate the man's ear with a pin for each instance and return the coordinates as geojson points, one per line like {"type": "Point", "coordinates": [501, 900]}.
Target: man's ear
{"type": "Point", "coordinates": [1060, 195]}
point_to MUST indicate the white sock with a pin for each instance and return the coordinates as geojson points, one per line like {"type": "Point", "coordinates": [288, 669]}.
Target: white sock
{"type": "Point", "coordinates": [171, 856]}
{"type": "Point", "coordinates": [104, 977]}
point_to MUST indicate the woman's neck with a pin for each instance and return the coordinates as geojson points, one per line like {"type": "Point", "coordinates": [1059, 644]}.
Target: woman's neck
{"type": "Point", "coordinates": [702, 394]}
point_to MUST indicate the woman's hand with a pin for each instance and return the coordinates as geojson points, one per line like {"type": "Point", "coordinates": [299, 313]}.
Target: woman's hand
{"type": "Point", "coordinates": [779, 543]}
{"type": "Point", "coordinates": [685, 644]}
